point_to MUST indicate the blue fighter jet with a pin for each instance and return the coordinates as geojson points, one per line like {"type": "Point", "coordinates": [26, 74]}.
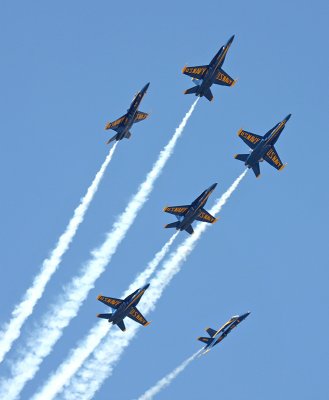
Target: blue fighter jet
{"type": "Point", "coordinates": [188, 213]}
{"type": "Point", "coordinates": [124, 123]}
{"type": "Point", "coordinates": [124, 308]}
{"type": "Point", "coordinates": [262, 148]}
{"type": "Point", "coordinates": [218, 336]}
{"type": "Point", "coordinates": [205, 75]}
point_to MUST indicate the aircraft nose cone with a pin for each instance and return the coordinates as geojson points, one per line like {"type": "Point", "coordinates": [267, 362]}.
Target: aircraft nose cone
{"type": "Point", "coordinates": [245, 315]}
{"type": "Point", "coordinates": [288, 117]}
{"type": "Point", "coordinates": [146, 87]}
{"type": "Point", "coordinates": [212, 187]}
{"type": "Point", "coordinates": [146, 286]}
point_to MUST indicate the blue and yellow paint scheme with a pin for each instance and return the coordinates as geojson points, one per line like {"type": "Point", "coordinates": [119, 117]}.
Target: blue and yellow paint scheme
{"type": "Point", "coordinates": [262, 148]}
{"type": "Point", "coordinates": [216, 337]}
{"type": "Point", "coordinates": [124, 308]}
{"type": "Point", "coordinates": [204, 76]}
{"type": "Point", "coordinates": [189, 213]}
{"type": "Point", "coordinates": [124, 123]}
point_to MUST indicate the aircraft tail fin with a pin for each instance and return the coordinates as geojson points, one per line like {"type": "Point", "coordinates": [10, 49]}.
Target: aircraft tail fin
{"type": "Point", "coordinates": [204, 339]}
{"type": "Point", "coordinates": [127, 135]}
{"type": "Point", "coordinates": [208, 95]}
{"type": "Point", "coordinates": [104, 316]}
{"type": "Point", "coordinates": [211, 332]}
{"type": "Point", "coordinates": [192, 90]}
{"type": "Point", "coordinates": [241, 157]}
{"type": "Point", "coordinates": [173, 225]}
{"type": "Point", "coordinates": [121, 325]}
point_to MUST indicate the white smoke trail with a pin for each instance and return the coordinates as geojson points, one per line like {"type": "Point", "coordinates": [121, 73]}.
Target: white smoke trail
{"type": "Point", "coordinates": [11, 331]}
{"type": "Point", "coordinates": [166, 381]}
{"type": "Point", "coordinates": [86, 383]}
{"type": "Point", "coordinates": [44, 338]}
{"type": "Point", "coordinates": [77, 357]}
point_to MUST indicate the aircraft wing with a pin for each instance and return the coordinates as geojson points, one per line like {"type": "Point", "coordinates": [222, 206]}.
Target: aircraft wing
{"type": "Point", "coordinates": [196, 72]}
{"type": "Point", "coordinates": [140, 116]}
{"type": "Point", "coordinates": [204, 216]}
{"type": "Point", "coordinates": [249, 138]}
{"type": "Point", "coordinates": [116, 124]}
{"type": "Point", "coordinates": [222, 78]}
{"type": "Point", "coordinates": [135, 315]}
{"type": "Point", "coordinates": [177, 210]}
{"type": "Point", "coordinates": [110, 301]}
{"type": "Point", "coordinates": [273, 159]}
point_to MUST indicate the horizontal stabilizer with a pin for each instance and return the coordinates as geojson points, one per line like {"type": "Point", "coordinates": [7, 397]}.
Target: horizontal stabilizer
{"type": "Point", "coordinates": [211, 332]}
{"type": "Point", "coordinates": [189, 229]}
{"type": "Point", "coordinates": [104, 316]}
{"type": "Point", "coordinates": [204, 339]}
{"type": "Point", "coordinates": [172, 225]}
{"type": "Point", "coordinates": [256, 169]}
{"type": "Point", "coordinates": [208, 95]}
{"type": "Point", "coordinates": [241, 157]}
{"type": "Point", "coordinates": [112, 139]}
{"type": "Point", "coordinates": [193, 89]}
{"type": "Point", "coordinates": [121, 325]}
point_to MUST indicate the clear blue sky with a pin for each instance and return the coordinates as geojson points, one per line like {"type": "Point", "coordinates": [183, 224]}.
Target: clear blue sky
{"type": "Point", "coordinates": [69, 67]}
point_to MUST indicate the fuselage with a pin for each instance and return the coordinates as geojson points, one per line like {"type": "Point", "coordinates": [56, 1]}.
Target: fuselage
{"type": "Point", "coordinates": [213, 69]}
{"type": "Point", "coordinates": [195, 208]}
{"type": "Point", "coordinates": [131, 112]}
{"type": "Point", "coordinates": [130, 301]}
{"type": "Point", "coordinates": [225, 330]}
{"type": "Point", "coordinates": [264, 145]}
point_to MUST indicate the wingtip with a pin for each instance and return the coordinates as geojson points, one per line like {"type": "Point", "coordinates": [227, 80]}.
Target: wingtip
{"type": "Point", "coordinates": [239, 131]}
{"type": "Point", "coordinates": [283, 167]}
{"type": "Point", "coordinates": [215, 220]}
{"type": "Point", "coordinates": [184, 69]}
{"type": "Point", "coordinates": [99, 296]}
{"type": "Point", "coordinates": [107, 126]}
{"type": "Point", "coordinates": [147, 323]}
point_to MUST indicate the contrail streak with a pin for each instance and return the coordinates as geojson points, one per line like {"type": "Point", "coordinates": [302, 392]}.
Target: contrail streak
{"type": "Point", "coordinates": [86, 383]}
{"type": "Point", "coordinates": [44, 338]}
{"type": "Point", "coordinates": [77, 357]}
{"type": "Point", "coordinates": [166, 381]}
{"type": "Point", "coordinates": [11, 331]}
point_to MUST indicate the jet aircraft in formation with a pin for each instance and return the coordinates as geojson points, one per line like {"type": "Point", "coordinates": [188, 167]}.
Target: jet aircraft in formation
{"type": "Point", "coordinates": [124, 123]}
{"type": "Point", "coordinates": [218, 336]}
{"type": "Point", "coordinates": [205, 75]}
{"type": "Point", "coordinates": [262, 148]}
{"type": "Point", "coordinates": [124, 308]}
{"type": "Point", "coordinates": [188, 213]}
